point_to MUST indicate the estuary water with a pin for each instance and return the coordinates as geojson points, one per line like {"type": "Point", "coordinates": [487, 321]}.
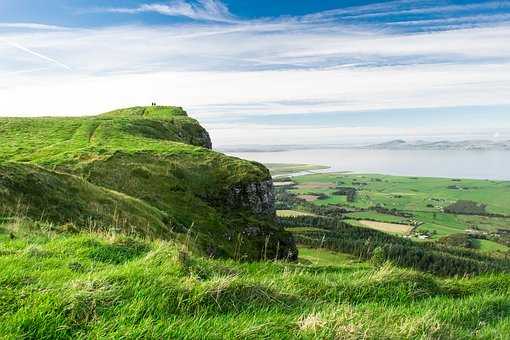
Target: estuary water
{"type": "Point", "coordinates": [424, 163]}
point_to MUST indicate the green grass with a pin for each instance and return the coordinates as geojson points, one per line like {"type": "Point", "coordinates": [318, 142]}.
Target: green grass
{"type": "Point", "coordinates": [28, 190]}
{"type": "Point", "coordinates": [489, 246]}
{"type": "Point", "coordinates": [91, 285]}
{"type": "Point", "coordinates": [149, 169]}
{"type": "Point", "coordinates": [325, 258]}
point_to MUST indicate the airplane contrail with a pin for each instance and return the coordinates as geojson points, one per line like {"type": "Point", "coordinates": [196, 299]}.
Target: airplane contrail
{"type": "Point", "coordinates": [42, 56]}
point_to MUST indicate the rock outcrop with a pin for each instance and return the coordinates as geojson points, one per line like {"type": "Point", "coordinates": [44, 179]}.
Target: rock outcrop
{"type": "Point", "coordinates": [258, 197]}
{"type": "Point", "coordinates": [202, 138]}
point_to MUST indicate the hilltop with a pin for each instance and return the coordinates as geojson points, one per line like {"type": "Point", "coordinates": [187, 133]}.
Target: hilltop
{"type": "Point", "coordinates": [147, 171]}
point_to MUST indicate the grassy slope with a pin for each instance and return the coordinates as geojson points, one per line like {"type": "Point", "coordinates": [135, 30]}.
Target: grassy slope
{"type": "Point", "coordinates": [157, 156]}
{"type": "Point", "coordinates": [416, 195]}
{"type": "Point", "coordinates": [100, 286]}
{"type": "Point", "coordinates": [28, 190]}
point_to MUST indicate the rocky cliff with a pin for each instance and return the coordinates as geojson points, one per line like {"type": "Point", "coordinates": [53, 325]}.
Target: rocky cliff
{"type": "Point", "coordinates": [258, 197]}
{"type": "Point", "coordinates": [158, 159]}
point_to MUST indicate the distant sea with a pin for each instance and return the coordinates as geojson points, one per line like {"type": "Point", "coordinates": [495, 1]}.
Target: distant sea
{"type": "Point", "coordinates": [424, 163]}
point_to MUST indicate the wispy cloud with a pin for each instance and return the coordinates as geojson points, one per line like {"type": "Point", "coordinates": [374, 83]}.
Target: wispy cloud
{"type": "Point", "coordinates": [405, 7]}
{"type": "Point", "coordinates": [435, 8]}
{"type": "Point", "coordinates": [30, 26]}
{"type": "Point", "coordinates": [34, 53]}
{"type": "Point", "coordinates": [209, 10]}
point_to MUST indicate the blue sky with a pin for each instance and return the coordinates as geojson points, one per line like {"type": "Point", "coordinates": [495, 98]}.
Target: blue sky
{"type": "Point", "coordinates": [85, 13]}
{"type": "Point", "coordinates": [287, 71]}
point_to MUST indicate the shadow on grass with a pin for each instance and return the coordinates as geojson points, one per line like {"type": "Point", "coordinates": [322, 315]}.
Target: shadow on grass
{"type": "Point", "coordinates": [325, 269]}
{"type": "Point", "coordinates": [118, 252]}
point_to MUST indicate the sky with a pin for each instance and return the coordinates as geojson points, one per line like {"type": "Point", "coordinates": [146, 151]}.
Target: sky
{"type": "Point", "coordinates": [266, 71]}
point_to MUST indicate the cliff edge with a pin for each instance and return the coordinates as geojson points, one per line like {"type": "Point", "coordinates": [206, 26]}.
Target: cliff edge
{"type": "Point", "coordinates": [143, 170]}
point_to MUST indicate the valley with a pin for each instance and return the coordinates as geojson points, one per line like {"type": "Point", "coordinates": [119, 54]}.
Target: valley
{"type": "Point", "coordinates": [415, 207]}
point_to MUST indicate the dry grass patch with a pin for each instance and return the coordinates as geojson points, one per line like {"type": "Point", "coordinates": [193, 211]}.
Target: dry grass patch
{"type": "Point", "coordinates": [292, 213]}
{"type": "Point", "coordinates": [387, 227]}
{"type": "Point", "coordinates": [317, 185]}
{"type": "Point", "coordinates": [309, 198]}
{"type": "Point", "coordinates": [282, 184]}
{"type": "Point", "coordinates": [311, 323]}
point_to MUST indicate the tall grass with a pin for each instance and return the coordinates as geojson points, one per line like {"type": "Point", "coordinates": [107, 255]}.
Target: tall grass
{"type": "Point", "coordinates": [101, 285]}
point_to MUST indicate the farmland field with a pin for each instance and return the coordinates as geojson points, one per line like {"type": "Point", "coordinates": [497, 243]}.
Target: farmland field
{"type": "Point", "coordinates": [387, 227]}
{"type": "Point", "coordinates": [398, 204]}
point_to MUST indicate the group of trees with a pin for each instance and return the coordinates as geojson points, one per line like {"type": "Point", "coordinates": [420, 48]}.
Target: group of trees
{"type": "Point", "coordinates": [350, 193]}
{"type": "Point", "coordinates": [463, 207]}
{"type": "Point", "coordinates": [286, 200]}
{"type": "Point", "coordinates": [395, 212]}
{"type": "Point", "coordinates": [458, 240]}
{"type": "Point", "coordinates": [440, 259]}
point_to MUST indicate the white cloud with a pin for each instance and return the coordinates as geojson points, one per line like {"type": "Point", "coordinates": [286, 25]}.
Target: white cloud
{"type": "Point", "coordinates": [221, 94]}
{"type": "Point", "coordinates": [211, 10]}
{"type": "Point", "coordinates": [249, 47]}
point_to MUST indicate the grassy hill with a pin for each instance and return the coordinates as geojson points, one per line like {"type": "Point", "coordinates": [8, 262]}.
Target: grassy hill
{"type": "Point", "coordinates": [143, 170]}
{"type": "Point", "coordinates": [105, 221]}
{"type": "Point", "coordinates": [98, 285]}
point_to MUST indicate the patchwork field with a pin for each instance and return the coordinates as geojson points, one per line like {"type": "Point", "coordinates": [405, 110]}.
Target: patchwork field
{"type": "Point", "coordinates": [410, 193]}
{"type": "Point", "coordinates": [428, 208]}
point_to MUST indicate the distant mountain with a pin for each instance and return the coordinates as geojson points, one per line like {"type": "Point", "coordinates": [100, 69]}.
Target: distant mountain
{"type": "Point", "coordinates": [399, 144]}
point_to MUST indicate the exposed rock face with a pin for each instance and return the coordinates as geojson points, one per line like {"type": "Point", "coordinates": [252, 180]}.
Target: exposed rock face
{"type": "Point", "coordinates": [194, 134]}
{"type": "Point", "coordinates": [203, 139]}
{"type": "Point", "coordinates": [259, 199]}
{"type": "Point", "coordinates": [257, 196]}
